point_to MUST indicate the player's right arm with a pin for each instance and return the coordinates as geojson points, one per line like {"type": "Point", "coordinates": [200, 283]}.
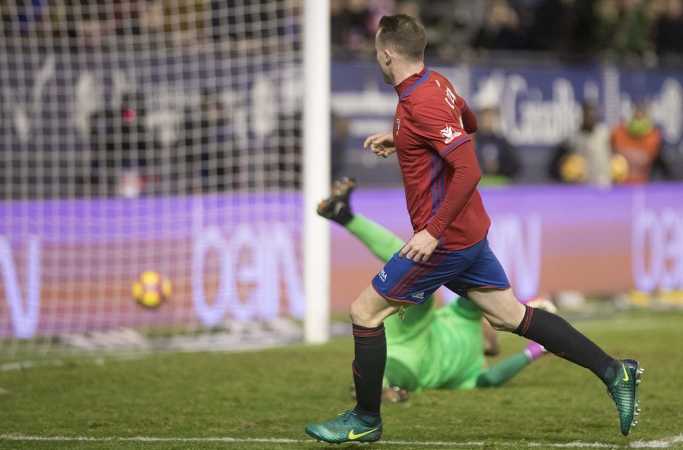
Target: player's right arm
{"type": "Point", "coordinates": [381, 144]}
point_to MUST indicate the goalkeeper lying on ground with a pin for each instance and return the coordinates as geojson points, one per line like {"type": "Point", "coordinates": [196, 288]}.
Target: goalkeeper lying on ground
{"type": "Point", "coordinates": [427, 347]}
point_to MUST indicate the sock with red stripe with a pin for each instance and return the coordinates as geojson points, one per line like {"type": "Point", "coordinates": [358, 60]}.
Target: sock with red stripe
{"type": "Point", "coordinates": [368, 368]}
{"type": "Point", "coordinates": [562, 339]}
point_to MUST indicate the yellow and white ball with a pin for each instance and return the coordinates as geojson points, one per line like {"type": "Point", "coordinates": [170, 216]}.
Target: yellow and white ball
{"type": "Point", "coordinates": [151, 289]}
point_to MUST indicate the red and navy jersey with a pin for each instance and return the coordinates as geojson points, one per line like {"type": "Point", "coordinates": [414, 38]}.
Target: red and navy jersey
{"type": "Point", "coordinates": [431, 125]}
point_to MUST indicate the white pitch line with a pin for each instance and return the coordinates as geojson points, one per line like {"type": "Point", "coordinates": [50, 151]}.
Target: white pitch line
{"type": "Point", "coordinates": [657, 443]}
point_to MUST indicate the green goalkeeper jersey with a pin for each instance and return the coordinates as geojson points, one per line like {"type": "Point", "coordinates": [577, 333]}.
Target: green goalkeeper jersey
{"type": "Point", "coordinates": [444, 348]}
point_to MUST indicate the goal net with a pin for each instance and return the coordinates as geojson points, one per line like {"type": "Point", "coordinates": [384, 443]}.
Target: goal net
{"type": "Point", "coordinates": [150, 173]}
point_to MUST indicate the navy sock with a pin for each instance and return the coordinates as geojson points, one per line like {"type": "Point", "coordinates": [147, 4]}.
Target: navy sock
{"type": "Point", "coordinates": [368, 368]}
{"type": "Point", "coordinates": [562, 339]}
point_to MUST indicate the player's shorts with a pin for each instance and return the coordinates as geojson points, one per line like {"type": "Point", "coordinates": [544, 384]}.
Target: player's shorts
{"type": "Point", "coordinates": [404, 280]}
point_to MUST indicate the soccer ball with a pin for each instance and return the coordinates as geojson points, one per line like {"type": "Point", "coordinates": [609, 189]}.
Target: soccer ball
{"type": "Point", "coordinates": [151, 289]}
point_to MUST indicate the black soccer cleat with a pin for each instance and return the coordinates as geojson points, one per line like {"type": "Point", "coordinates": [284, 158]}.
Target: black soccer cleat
{"type": "Point", "coordinates": [337, 207]}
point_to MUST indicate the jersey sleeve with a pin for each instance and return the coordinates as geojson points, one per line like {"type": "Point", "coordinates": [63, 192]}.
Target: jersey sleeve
{"type": "Point", "coordinates": [440, 126]}
{"type": "Point", "coordinates": [469, 120]}
{"type": "Point", "coordinates": [466, 176]}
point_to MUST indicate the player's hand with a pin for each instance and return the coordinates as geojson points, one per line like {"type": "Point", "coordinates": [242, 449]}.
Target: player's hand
{"type": "Point", "coordinates": [420, 247]}
{"type": "Point", "coordinates": [381, 144]}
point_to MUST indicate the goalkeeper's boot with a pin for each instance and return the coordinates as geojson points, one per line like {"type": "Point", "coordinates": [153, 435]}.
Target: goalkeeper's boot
{"type": "Point", "coordinates": [337, 207]}
{"type": "Point", "coordinates": [624, 392]}
{"type": "Point", "coordinates": [348, 426]}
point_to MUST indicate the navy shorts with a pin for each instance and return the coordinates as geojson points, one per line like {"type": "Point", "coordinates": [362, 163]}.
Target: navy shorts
{"type": "Point", "coordinates": [405, 280]}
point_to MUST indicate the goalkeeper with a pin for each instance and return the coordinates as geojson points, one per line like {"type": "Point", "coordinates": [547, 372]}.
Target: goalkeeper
{"type": "Point", "coordinates": [427, 347]}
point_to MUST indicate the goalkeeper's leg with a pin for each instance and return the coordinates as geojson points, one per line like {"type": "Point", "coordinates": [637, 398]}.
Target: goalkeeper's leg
{"type": "Point", "coordinates": [502, 372]}
{"type": "Point", "coordinates": [379, 240]}
{"type": "Point", "coordinates": [337, 208]}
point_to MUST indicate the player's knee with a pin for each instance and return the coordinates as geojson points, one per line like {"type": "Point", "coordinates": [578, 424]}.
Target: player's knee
{"type": "Point", "coordinates": [497, 323]}
{"type": "Point", "coordinates": [360, 315]}
{"type": "Point", "coordinates": [505, 315]}
{"type": "Point", "coordinates": [502, 322]}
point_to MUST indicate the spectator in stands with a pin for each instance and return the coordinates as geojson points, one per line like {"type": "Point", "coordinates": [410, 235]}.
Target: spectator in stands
{"type": "Point", "coordinates": [120, 144]}
{"type": "Point", "coordinates": [501, 29]}
{"type": "Point", "coordinates": [287, 172]}
{"type": "Point", "coordinates": [207, 161]}
{"type": "Point", "coordinates": [497, 158]}
{"type": "Point", "coordinates": [639, 141]}
{"type": "Point", "coordinates": [669, 29]}
{"type": "Point", "coordinates": [581, 26]}
{"type": "Point", "coordinates": [340, 137]}
{"type": "Point", "coordinates": [352, 26]}
{"type": "Point", "coordinates": [585, 156]}
{"type": "Point", "coordinates": [552, 25]}
{"type": "Point", "coordinates": [22, 17]}
{"type": "Point", "coordinates": [6, 20]}
{"type": "Point", "coordinates": [626, 27]}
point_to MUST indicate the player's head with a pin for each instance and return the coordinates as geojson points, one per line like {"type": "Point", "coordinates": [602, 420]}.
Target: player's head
{"type": "Point", "coordinates": [400, 41]}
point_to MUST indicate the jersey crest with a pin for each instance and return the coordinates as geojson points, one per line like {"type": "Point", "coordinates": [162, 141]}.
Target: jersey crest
{"type": "Point", "coordinates": [449, 134]}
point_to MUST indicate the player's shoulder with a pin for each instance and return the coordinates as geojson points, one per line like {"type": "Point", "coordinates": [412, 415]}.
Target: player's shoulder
{"type": "Point", "coordinates": [439, 78]}
{"type": "Point", "coordinates": [428, 100]}
{"type": "Point", "coordinates": [432, 91]}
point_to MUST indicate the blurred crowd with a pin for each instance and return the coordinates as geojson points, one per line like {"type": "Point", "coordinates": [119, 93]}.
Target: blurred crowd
{"type": "Point", "coordinates": [236, 24]}
{"type": "Point", "coordinates": [457, 28]}
{"type": "Point", "coordinates": [575, 28]}
{"type": "Point", "coordinates": [632, 152]}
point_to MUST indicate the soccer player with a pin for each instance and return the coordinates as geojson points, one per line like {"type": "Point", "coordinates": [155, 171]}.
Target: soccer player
{"type": "Point", "coordinates": [432, 138]}
{"type": "Point", "coordinates": [427, 347]}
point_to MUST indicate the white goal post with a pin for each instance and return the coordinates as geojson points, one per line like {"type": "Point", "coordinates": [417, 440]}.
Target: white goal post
{"type": "Point", "coordinates": [316, 125]}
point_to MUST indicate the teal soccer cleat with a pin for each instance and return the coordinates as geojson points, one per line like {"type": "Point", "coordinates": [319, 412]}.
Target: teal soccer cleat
{"type": "Point", "coordinates": [624, 392]}
{"type": "Point", "coordinates": [348, 426]}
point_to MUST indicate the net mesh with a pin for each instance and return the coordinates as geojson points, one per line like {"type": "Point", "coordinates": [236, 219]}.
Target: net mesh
{"type": "Point", "coordinates": [157, 136]}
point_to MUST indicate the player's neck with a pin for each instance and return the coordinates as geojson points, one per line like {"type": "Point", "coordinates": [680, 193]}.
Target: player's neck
{"type": "Point", "coordinates": [407, 71]}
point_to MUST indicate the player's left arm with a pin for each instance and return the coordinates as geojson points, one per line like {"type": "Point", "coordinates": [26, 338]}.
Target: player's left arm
{"type": "Point", "coordinates": [469, 120]}
{"type": "Point", "coordinates": [437, 124]}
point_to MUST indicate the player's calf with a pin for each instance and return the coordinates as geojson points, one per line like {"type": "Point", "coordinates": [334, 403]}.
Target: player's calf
{"type": "Point", "coordinates": [368, 312]}
{"type": "Point", "coordinates": [562, 339]}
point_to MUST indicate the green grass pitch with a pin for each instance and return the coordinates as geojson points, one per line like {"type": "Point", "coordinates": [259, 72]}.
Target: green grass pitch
{"type": "Point", "coordinates": [272, 394]}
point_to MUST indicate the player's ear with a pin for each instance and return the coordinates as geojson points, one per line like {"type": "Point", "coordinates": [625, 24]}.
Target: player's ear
{"type": "Point", "coordinates": [386, 54]}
